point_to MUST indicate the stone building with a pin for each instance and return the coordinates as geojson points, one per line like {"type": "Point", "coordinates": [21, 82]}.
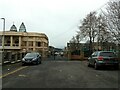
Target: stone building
{"type": "Point", "coordinates": [22, 41]}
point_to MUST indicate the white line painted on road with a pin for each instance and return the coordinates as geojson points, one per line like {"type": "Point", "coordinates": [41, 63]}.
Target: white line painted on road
{"type": "Point", "coordinates": [2, 76]}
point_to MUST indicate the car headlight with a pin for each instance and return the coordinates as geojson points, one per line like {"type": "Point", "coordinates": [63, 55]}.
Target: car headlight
{"type": "Point", "coordinates": [23, 59]}
{"type": "Point", "coordinates": [34, 59]}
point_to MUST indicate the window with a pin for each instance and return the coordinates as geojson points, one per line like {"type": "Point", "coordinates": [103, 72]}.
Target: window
{"type": "Point", "coordinates": [38, 44]}
{"type": "Point", "coordinates": [30, 49]}
{"type": "Point", "coordinates": [24, 43]}
{"type": "Point", "coordinates": [107, 54]}
{"type": "Point", "coordinates": [31, 43]}
{"type": "Point", "coordinates": [94, 54]}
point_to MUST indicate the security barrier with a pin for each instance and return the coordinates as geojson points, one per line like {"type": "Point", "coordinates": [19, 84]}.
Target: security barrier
{"type": "Point", "coordinates": [1, 54]}
{"type": "Point", "coordinates": [11, 57]}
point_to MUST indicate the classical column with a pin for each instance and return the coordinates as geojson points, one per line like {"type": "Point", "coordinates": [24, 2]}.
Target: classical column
{"type": "Point", "coordinates": [27, 44]}
{"type": "Point", "coordinates": [43, 50]}
{"type": "Point", "coordinates": [34, 45]}
{"type": "Point", "coordinates": [27, 47]}
{"type": "Point", "coordinates": [20, 41]}
{"type": "Point", "coordinates": [11, 41]}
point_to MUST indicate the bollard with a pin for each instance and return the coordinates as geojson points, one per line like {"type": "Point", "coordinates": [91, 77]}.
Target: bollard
{"type": "Point", "coordinates": [1, 57]}
{"type": "Point", "coordinates": [10, 56]}
{"type": "Point", "coordinates": [6, 57]}
{"type": "Point", "coordinates": [20, 56]}
{"type": "Point", "coordinates": [13, 58]}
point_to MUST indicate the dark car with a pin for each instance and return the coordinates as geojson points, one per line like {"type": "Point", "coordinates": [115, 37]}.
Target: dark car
{"type": "Point", "coordinates": [33, 57]}
{"type": "Point", "coordinates": [103, 58]}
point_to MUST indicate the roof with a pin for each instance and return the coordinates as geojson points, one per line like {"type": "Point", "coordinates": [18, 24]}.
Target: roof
{"type": "Point", "coordinates": [13, 28]}
{"type": "Point", "coordinates": [22, 28]}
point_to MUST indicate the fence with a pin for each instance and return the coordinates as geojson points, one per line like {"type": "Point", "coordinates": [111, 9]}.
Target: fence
{"type": "Point", "coordinates": [11, 57]}
{"type": "Point", "coordinates": [1, 57]}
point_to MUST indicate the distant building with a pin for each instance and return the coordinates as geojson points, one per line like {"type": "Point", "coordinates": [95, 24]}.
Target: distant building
{"type": "Point", "coordinates": [23, 41]}
{"type": "Point", "coordinates": [82, 50]}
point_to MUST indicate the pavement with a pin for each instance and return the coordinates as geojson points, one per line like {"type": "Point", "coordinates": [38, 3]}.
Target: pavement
{"type": "Point", "coordinates": [56, 58]}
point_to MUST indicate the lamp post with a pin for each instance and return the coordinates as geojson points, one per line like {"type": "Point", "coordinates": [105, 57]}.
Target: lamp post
{"type": "Point", "coordinates": [3, 36]}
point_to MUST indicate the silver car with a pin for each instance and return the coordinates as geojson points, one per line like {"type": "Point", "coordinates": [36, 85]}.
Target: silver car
{"type": "Point", "coordinates": [103, 58]}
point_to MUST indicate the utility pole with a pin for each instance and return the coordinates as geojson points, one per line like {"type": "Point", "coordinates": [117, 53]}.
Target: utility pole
{"type": "Point", "coordinates": [118, 46]}
{"type": "Point", "coordinates": [3, 38]}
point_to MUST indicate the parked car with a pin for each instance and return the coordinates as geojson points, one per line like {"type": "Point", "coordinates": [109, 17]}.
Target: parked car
{"type": "Point", "coordinates": [103, 58]}
{"type": "Point", "coordinates": [33, 57]}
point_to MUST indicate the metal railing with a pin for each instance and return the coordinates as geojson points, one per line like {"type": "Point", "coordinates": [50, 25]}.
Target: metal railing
{"type": "Point", "coordinates": [11, 57]}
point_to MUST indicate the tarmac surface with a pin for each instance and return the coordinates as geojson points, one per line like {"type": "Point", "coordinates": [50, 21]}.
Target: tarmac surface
{"type": "Point", "coordinates": [58, 73]}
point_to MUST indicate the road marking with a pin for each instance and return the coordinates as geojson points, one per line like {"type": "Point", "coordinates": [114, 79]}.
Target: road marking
{"type": "Point", "coordinates": [2, 76]}
{"type": "Point", "coordinates": [21, 75]}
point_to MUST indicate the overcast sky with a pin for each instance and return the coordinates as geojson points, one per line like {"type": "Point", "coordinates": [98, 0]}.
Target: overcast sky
{"type": "Point", "coordinates": [58, 19]}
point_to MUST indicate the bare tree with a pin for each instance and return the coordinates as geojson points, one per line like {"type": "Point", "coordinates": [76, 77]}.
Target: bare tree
{"type": "Point", "coordinates": [113, 18]}
{"type": "Point", "coordinates": [72, 43]}
{"type": "Point", "coordinates": [103, 34]}
{"type": "Point", "coordinates": [88, 28]}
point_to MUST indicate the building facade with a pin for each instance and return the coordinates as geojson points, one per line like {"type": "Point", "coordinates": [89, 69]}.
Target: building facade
{"type": "Point", "coordinates": [22, 41]}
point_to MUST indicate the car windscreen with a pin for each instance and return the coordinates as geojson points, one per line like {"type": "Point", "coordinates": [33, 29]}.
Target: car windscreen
{"type": "Point", "coordinates": [31, 55]}
{"type": "Point", "coordinates": [107, 54]}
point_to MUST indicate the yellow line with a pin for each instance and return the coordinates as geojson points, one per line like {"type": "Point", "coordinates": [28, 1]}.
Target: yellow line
{"type": "Point", "coordinates": [12, 72]}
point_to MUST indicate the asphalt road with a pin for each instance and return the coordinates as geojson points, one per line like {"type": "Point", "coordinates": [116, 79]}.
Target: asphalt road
{"type": "Point", "coordinates": [59, 73]}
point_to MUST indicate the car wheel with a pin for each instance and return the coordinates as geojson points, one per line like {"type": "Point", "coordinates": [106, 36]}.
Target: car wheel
{"type": "Point", "coordinates": [116, 67]}
{"type": "Point", "coordinates": [89, 65]}
{"type": "Point", "coordinates": [35, 63]}
{"type": "Point", "coordinates": [96, 66]}
{"type": "Point", "coordinates": [23, 64]}
{"type": "Point", "coordinates": [39, 62]}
